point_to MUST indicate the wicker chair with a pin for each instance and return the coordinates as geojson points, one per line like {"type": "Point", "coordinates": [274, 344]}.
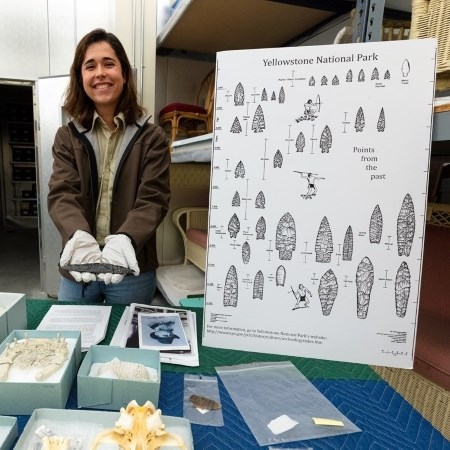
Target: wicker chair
{"type": "Point", "coordinates": [431, 18]}
{"type": "Point", "coordinates": [187, 120]}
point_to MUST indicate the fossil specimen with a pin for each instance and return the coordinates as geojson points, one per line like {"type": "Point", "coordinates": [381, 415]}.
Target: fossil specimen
{"type": "Point", "coordinates": [402, 289]}
{"type": "Point", "coordinates": [97, 268]}
{"type": "Point", "coordinates": [125, 370]}
{"type": "Point", "coordinates": [139, 427]}
{"type": "Point", "coordinates": [347, 251]}
{"type": "Point", "coordinates": [230, 291]}
{"type": "Point", "coordinates": [376, 226]}
{"type": "Point", "coordinates": [328, 290]}
{"type": "Point", "coordinates": [364, 283]}
{"type": "Point", "coordinates": [324, 242]}
{"type": "Point", "coordinates": [406, 225]}
{"type": "Point", "coordinates": [246, 252]}
{"type": "Point", "coordinates": [281, 276]}
{"type": "Point", "coordinates": [47, 354]}
{"type": "Point", "coordinates": [258, 285]}
{"type": "Point", "coordinates": [285, 239]}
{"type": "Point", "coordinates": [56, 443]}
{"type": "Point", "coordinates": [198, 401]}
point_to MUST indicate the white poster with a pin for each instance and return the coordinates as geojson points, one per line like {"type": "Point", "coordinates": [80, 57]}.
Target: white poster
{"type": "Point", "coordinates": [318, 200]}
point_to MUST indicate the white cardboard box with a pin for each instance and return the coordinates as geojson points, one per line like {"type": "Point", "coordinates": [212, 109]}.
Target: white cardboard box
{"type": "Point", "coordinates": [22, 398]}
{"type": "Point", "coordinates": [87, 421]}
{"type": "Point", "coordinates": [113, 394]}
{"type": "Point", "coordinates": [13, 313]}
{"type": "Point", "coordinates": [7, 439]}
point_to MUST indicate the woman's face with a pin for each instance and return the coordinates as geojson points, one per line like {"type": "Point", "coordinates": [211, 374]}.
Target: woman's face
{"type": "Point", "coordinates": [102, 75]}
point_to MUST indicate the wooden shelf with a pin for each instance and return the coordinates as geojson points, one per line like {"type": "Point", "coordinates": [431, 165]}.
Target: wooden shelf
{"type": "Point", "coordinates": [208, 26]}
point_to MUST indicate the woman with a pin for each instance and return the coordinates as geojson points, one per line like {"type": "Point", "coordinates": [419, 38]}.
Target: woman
{"type": "Point", "coordinates": [109, 189]}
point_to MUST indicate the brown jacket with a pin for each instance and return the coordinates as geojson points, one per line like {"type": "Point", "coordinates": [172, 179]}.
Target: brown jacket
{"type": "Point", "coordinates": [141, 190]}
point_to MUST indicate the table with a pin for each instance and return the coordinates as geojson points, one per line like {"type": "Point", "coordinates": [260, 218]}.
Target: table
{"type": "Point", "coordinates": [387, 421]}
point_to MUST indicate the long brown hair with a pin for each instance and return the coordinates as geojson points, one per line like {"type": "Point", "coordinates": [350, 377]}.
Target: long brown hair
{"type": "Point", "coordinates": [78, 104]}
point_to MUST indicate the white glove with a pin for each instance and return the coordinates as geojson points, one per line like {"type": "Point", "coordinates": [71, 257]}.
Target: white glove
{"type": "Point", "coordinates": [119, 251]}
{"type": "Point", "coordinates": [81, 248]}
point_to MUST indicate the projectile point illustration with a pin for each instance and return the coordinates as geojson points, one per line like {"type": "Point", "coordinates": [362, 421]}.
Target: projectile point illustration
{"type": "Point", "coordinates": [311, 110]}
{"type": "Point", "coordinates": [260, 201]}
{"type": "Point", "coordinates": [234, 226]}
{"type": "Point", "coordinates": [405, 68]}
{"type": "Point", "coordinates": [286, 239]}
{"type": "Point", "coordinates": [364, 283]}
{"type": "Point", "coordinates": [360, 121]}
{"type": "Point", "coordinates": [278, 160]}
{"type": "Point", "coordinates": [326, 140]}
{"type": "Point", "coordinates": [312, 81]}
{"type": "Point", "coordinates": [347, 250]}
{"type": "Point", "coordinates": [376, 226]}
{"type": "Point", "coordinates": [375, 74]}
{"type": "Point", "coordinates": [261, 228]}
{"type": "Point", "coordinates": [246, 253]}
{"type": "Point", "coordinates": [335, 81]}
{"type": "Point", "coordinates": [301, 297]}
{"type": "Point", "coordinates": [361, 76]}
{"type": "Point", "coordinates": [258, 285]}
{"type": "Point", "coordinates": [328, 291]}
{"type": "Point", "coordinates": [406, 226]}
{"type": "Point", "coordinates": [387, 75]}
{"type": "Point", "coordinates": [349, 76]}
{"type": "Point", "coordinates": [239, 95]}
{"type": "Point", "coordinates": [402, 289]}
{"type": "Point", "coordinates": [236, 127]}
{"type": "Point", "coordinates": [381, 124]}
{"type": "Point", "coordinates": [240, 170]}
{"type": "Point", "coordinates": [230, 290]}
{"type": "Point", "coordinates": [264, 95]}
{"type": "Point", "coordinates": [273, 97]}
{"type": "Point", "coordinates": [281, 95]}
{"type": "Point", "coordinates": [324, 242]}
{"type": "Point", "coordinates": [324, 81]}
{"type": "Point", "coordinates": [280, 277]}
{"type": "Point", "coordinates": [236, 199]}
{"type": "Point", "coordinates": [258, 124]}
{"type": "Point", "coordinates": [300, 142]}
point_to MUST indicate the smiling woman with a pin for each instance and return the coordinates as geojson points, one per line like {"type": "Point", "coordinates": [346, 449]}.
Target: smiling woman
{"type": "Point", "coordinates": [109, 189]}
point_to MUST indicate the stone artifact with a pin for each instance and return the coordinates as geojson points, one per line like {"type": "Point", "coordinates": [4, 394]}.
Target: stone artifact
{"type": "Point", "coordinates": [47, 354]}
{"type": "Point", "coordinates": [139, 427]}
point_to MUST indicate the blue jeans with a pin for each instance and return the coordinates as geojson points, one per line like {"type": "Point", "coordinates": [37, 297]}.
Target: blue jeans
{"type": "Point", "coordinates": [131, 289]}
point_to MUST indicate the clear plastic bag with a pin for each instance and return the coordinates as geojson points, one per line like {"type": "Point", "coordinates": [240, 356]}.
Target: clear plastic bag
{"type": "Point", "coordinates": [278, 391]}
{"type": "Point", "coordinates": [205, 390]}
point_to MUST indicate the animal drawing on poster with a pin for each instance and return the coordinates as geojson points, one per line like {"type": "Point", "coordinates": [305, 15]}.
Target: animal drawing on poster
{"type": "Point", "coordinates": [311, 110]}
{"type": "Point", "coordinates": [402, 289]}
{"type": "Point", "coordinates": [328, 291]}
{"type": "Point", "coordinates": [406, 225]}
{"type": "Point", "coordinates": [376, 226]}
{"type": "Point", "coordinates": [286, 238]}
{"type": "Point", "coordinates": [324, 242]}
{"type": "Point", "coordinates": [364, 283]}
{"type": "Point", "coordinates": [302, 296]}
{"type": "Point", "coordinates": [231, 291]}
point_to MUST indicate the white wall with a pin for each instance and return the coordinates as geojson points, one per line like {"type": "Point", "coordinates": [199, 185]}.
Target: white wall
{"type": "Point", "coordinates": [38, 37]}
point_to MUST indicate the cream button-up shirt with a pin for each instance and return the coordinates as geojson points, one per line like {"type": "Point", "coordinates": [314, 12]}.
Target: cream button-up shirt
{"type": "Point", "coordinates": [109, 142]}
